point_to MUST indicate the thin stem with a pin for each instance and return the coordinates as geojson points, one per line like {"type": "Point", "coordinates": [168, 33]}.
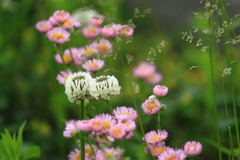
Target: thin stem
{"type": "Point", "coordinates": [82, 140]}
{"type": "Point", "coordinates": [210, 38]}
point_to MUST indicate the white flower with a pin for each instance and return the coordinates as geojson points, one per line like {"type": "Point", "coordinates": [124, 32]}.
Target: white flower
{"type": "Point", "coordinates": [77, 86]}
{"type": "Point", "coordinates": [104, 87]}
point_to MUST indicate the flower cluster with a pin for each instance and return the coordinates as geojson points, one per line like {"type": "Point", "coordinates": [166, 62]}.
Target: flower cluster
{"type": "Point", "coordinates": [147, 71]}
{"type": "Point", "coordinates": [104, 128]}
{"type": "Point", "coordinates": [81, 85]}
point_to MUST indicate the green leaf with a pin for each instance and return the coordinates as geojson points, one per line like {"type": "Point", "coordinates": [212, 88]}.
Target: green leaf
{"type": "Point", "coordinates": [20, 139]}
{"type": "Point", "coordinates": [3, 152]}
{"type": "Point", "coordinates": [33, 151]}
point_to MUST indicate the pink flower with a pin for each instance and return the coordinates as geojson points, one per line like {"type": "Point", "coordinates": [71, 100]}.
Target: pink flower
{"type": "Point", "coordinates": [63, 75]}
{"type": "Point", "coordinates": [111, 30]}
{"type": "Point", "coordinates": [154, 78]}
{"type": "Point", "coordinates": [130, 125]}
{"type": "Point", "coordinates": [117, 131]}
{"type": "Point", "coordinates": [75, 54]}
{"type": "Point", "coordinates": [160, 90]}
{"type": "Point", "coordinates": [70, 129]}
{"type": "Point", "coordinates": [192, 148]}
{"type": "Point", "coordinates": [123, 113]}
{"type": "Point", "coordinates": [151, 106]}
{"type": "Point", "coordinates": [109, 154]}
{"type": "Point", "coordinates": [107, 120]}
{"type": "Point", "coordinates": [127, 31]}
{"type": "Point", "coordinates": [144, 69]}
{"type": "Point", "coordinates": [61, 16]}
{"type": "Point", "coordinates": [58, 35]}
{"type": "Point", "coordinates": [155, 136]}
{"type": "Point", "coordinates": [52, 20]}
{"type": "Point", "coordinates": [83, 125]}
{"type": "Point", "coordinates": [172, 154]}
{"type": "Point", "coordinates": [103, 46]}
{"type": "Point", "coordinates": [93, 65]}
{"type": "Point", "coordinates": [70, 23]}
{"type": "Point", "coordinates": [97, 20]}
{"type": "Point", "coordinates": [91, 31]}
{"type": "Point", "coordinates": [43, 26]}
{"type": "Point", "coordinates": [67, 57]}
{"type": "Point", "coordinates": [89, 51]}
{"type": "Point", "coordinates": [96, 124]}
{"type": "Point", "coordinates": [156, 149]}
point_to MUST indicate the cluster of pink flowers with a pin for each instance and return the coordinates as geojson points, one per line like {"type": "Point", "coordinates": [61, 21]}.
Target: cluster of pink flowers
{"type": "Point", "coordinates": [155, 141]}
{"type": "Point", "coordinates": [104, 128]}
{"type": "Point", "coordinates": [147, 71]}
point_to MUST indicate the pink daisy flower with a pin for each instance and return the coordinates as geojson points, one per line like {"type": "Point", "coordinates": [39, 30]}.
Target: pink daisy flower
{"type": "Point", "coordinates": [107, 120]}
{"type": "Point", "coordinates": [58, 35]}
{"type": "Point", "coordinates": [155, 136]}
{"type": "Point", "coordinates": [109, 153]}
{"type": "Point", "coordinates": [97, 20]}
{"type": "Point", "coordinates": [111, 30]}
{"type": "Point", "coordinates": [63, 75]}
{"type": "Point", "coordinates": [43, 26]}
{"type": "Point", "coordinates": [144, 69]}
{"type": "Point", "coordinates": [130, 125]}
{"type": "Point", "coordinates": [75, 54]}
{"type": "Point", "coordinates": [61, 16]}
{"type": "Point", "coordinates": [103, 138]}
{"type": "Point", "coordinates": [156, 149]}
{"type": "Point", "coordinates": [103, 46]}
{"type": "Point", "coordinates": [83, 125]}
{"type": "Point", "coordinates": [70, 129]}
{"type": "Point", "coordinates": [129, 135]}
{"type": "Point", "coordinates": [96, 124]}
{"type": "Point", "coordinates": [76, 155]}
{"type": "Point", "coordinates": [67, 57]}
{"type": "Point", "coordinates": [91, 31]}
{"type": "Point", "coordinates": [52, 20]}
{"type": "Point", "coordinates": [117, 131]}
{"type": "Point", "coordinates": [93, 65]}
{"type": "Point", "coordinates": [172, 154]}
{"type": "Point", "coordinates": [127, 31]}
{"type": "Point", "coordinates": [154, 78]}
{"type": "Point", "coordinates": [89, 51]}
{"type": "Point", "coordinates": [123, 113]}
{"type": "Point", "coordinates": [192, 148]}
{"type": "Point", "coordinates": [70, 23]}
{"type": "Point", "coordinates": [151, 106]}
{"type": "Point", "coordinates": [160, 90]}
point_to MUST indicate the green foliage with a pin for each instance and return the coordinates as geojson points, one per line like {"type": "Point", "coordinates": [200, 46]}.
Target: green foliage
{"type": "Point", "coordinates": [11, 146]}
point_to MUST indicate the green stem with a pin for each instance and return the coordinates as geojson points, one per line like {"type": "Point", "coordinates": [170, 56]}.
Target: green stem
{"type": "Point", "coordinates": [82, 140]}
{"type": "Point", "coordinates": [210, 38]}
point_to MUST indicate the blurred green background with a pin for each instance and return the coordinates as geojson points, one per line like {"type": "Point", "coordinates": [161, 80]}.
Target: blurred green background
{"type": "Point", "coordinates": [30, 91]}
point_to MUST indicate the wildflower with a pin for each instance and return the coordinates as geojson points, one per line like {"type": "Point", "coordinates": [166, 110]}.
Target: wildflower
{"type": "Point", "coordinates": [155, 136]}
{"type": "Point", "coordinates": [104, 87]}
{"type": "Point", "coordinates": [144, 69]}
{"type": "Point", "coordinates": [154, 78]}
{"type": "Point", "coordinates": [52, 20]}
{"type": "Point", "coordinates": [63, 75]}
{"type": "Point", "coordinates": [117, 131]}
{"type": "Point", "coordinates": [70, 129]}
{"type": "Point", "coordinates": [43, 26]}
{"type": "Point", "coordinates": [111, 30]}
{"type": "Point", "coordinates": [77, 85]}
{"type": "Point", "coordinates": [160, 90]}
{"type": "Point", "coordinates": [192, 148]}
{"type": "Point", "coordinates": [172, 154]}
{"type": "Point", "coordinates": [129, 135]}
{"type": "Point", "coordinates": [130, 125]}
{"type": "Point", "coordinates": [89, 50]}
{"type": "Point", "coordinates": [109, 154]}
{"type": "Point", "coordinates": [76, 155]}
{"type": "Point", "coordinates": [93, 65]}
{"type": "Point", "coordinates": [91, 31]}
{"type": "Point", "coordinates": [61, 16]}
{"type": "Point", "coordinates": [75, 54]}
{"type": "Point", "coordinates": [67, 57]}
{"type": "Point", "coordinates": [103, 138]}
{"type": "Point", "coordinates": [107, 120]}
{"type": "Point", "coordinates": [83, 125]}
{"type": "Point", "coordinates": [123, 113]}
{"type": "Point", "coordinates": [70, 24]}
{"type": "Point", "coordinates": [127, 31]}
{"type": "Point", "coordinates": [156, 149]}
{"type": "Point", "coordinates": [96, 124]}
{"type": "Point", "coordinates": [151, 106]}
{"type": "Point", "coordinates": [103, 46]}
{"type": "Point", "coordinates": [97, 20]}
{"type": "Point", "coordinates": [58, 35]}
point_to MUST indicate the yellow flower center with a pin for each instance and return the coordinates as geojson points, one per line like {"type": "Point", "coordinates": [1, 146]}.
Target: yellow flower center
{"type": "Point", "coordinates": [89, 51]}
{"type": "Point", "coordinates": [93, 65]}
{"type": "Point", "coordinates": [89, 152]}
{"type": "Point", "coordinates": [126, 31]}
{"type": "Point", "coordinates": [77, 157]}
{"type": "Point", "coordinates": [151, 106]}
{"type": "Point", "coordinates": [66, 23]}
{"type": "Point", "coordinates": [58, 36]}
{"type": "Point", "coordinates": [155, 152]}
{"type": "Point", "coordinates": [106, 125]}
{"type": "Point", "coordinates": [109, 155]}
{"type": "Point", "coordinates": [67, 58]}
{"type": "Point", "coordinates": [125, 113]}
{"type": "Point", "coordinates": [117, 132]}
{"type": "Point", "coordinates": [97, 124]}
{"type": "Point", "coordinates": [91, 31]}
{"type": "Point", "coordinates": [171, 158]}
{"type": "Point", "coordinates": [155, 137]}
{"type": "Point", "coordinates": [102, 47]}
